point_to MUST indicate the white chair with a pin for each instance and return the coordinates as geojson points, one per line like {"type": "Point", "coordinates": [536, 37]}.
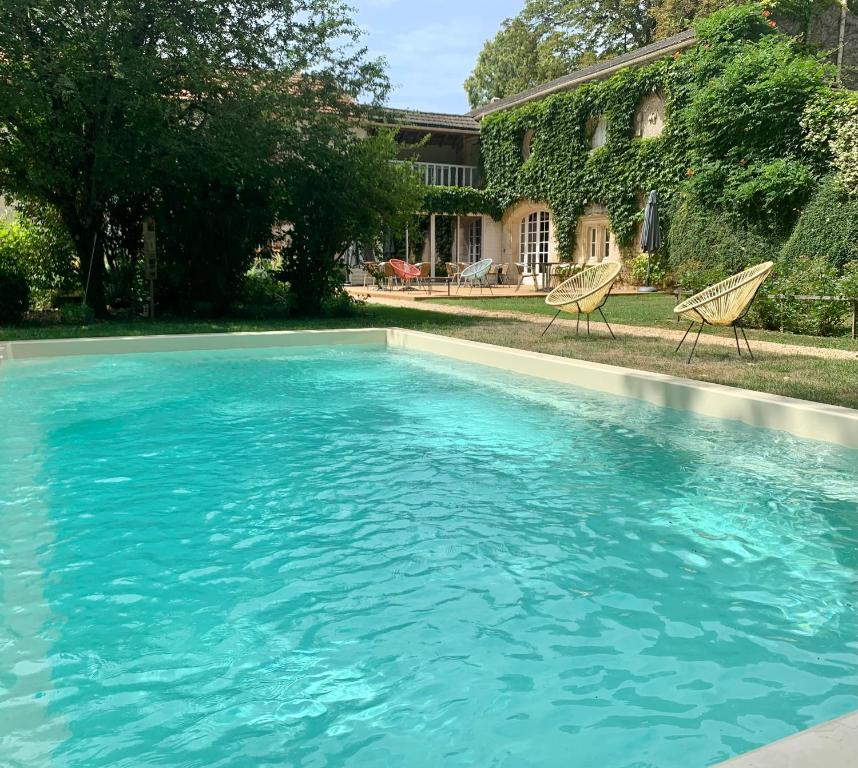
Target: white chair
{"type": "Point", "coordinates": [475, 274]}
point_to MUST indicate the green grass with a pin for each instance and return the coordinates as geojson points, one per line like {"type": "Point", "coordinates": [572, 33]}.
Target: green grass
{"type": "Point", "coordinates": [655, 310]}
{"type": "Point", "coordinates": [809, 378]}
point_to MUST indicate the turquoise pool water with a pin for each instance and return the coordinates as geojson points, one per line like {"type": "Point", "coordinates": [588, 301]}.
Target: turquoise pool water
{"type": "Point", "coordinates": [368, 558]}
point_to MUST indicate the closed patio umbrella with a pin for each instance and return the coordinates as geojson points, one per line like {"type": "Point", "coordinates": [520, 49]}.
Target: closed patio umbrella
{"type": "Point", "coordinates": [650, 236]}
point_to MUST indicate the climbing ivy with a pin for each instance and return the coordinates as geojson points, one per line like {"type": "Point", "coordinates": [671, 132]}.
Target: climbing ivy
{"type": "Point", "coordinates": [733, 104]}
{"type": "Point", "coordinates": [460, 201]}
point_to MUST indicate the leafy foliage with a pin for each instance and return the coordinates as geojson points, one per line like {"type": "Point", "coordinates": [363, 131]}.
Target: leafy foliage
{"type": "Point", "coordinates": [732, 144]}
{"type": "Point", "coordinates": [806, 276]}
{"type": "Point", "coordinates": [112, 111]}
{"type": "Point", "coordinates": [36, 246]}
{"type": "Point", "coordinates": [343, 194]}
{"type": "Point", "coordinates": [460, 200]}
{"type": "Point", "coordinates": [706, 246]}
{"type": "Point", "coordinates": [514, 60]}
{"type": "Point", "coordinates": [550, 38]}
{"type": "Point", "coordinates": [827, 229]}
{"type": "Point", "coordinates": [14, 294]}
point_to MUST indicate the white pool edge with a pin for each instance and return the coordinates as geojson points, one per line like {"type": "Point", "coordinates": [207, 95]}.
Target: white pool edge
{"type": "Point", "coordinates": [830, 745]}
{"type": "Point", "coordinates": [191, 342]}
{"type": "Point", "coordinates": [802, 418]}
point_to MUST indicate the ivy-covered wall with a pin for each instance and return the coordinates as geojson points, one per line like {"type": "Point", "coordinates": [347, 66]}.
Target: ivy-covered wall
{"type": "Point", "coordinates": [733, 139]}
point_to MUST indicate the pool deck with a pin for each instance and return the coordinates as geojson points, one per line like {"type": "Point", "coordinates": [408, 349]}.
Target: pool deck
{"type": "Point", "coordinates": [831, 745]}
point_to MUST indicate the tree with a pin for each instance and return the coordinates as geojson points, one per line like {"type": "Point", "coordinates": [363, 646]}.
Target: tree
{"type": "Point", "coordinates": [550, 38]}
{"type": "Point", "coordinates": [673, 16]}
{"type": "Point", "coordinates": [605, 28]}
{"type": "Point", "coordinates": [341, 194]}
{"type": "Point", "coordinates": [111, 109]}
{"type": "Point", "coordinates": [517, 58]}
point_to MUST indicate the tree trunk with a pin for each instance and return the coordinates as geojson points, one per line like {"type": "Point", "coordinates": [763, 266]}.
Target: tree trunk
{"type": "Point", "coordinates": [89, 245]}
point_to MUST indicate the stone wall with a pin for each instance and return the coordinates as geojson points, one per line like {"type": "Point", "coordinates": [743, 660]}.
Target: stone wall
{"type": "Point", "coordinates": [824, 32]}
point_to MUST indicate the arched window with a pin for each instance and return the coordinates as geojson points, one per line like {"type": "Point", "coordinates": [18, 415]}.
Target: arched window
{"type": "Point", "coordinates": [527, 143]}
{"type": "Point", "coordinates": [534, 240]}
{"type": "Point", "coordinates": [475, 240]}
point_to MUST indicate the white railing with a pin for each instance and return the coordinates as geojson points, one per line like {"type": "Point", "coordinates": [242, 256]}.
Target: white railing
{"type": "Point", "coordinates": [447, 175]}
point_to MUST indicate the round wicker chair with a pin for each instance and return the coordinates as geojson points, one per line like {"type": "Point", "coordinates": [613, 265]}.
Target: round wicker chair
{"type": "Point", "coordinates": [475, 274]}
{"type": "Point", "coordinates": [404, 271]}
{"type": "Point", "coordinates": [724, 304]}
{"type": "Point", "coordinates": [584, 293]}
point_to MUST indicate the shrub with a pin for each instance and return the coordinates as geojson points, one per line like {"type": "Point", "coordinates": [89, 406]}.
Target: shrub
{"type": "Point", "coordinates": [803, 277]}
{"type": "Point", "coordinates": [827, 228]}
{"type": "Point", "coordinates": [75, 314]}
{"type": "Point", "coordinates": [694, 275]}
{"type": "Point", "coordinates": [658, 271]}
{"type": "Point", "coordinates": [14, 295]}
{"type": "Point", "coordinates": [37, 247]}
{"type": "Point", "coordinates": [263, 295]}
{"type": "Point", "coordinates": [706, 244]}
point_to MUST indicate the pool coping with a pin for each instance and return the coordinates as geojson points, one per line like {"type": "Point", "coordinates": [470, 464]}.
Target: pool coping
{"type": "Point", "coordinates": [802, 418]}
{"type": "Point", "coordinates": [830, 745]}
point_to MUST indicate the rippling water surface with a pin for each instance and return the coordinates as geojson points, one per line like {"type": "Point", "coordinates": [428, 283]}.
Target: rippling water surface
{"type": "Point", "coordinates": [368, 558]}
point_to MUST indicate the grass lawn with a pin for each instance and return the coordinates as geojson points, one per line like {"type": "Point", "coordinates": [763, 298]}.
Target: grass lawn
{"type": "Point", "coordinates": [652, 310]}
{"type": "Point", "coordinates": [809, 378]}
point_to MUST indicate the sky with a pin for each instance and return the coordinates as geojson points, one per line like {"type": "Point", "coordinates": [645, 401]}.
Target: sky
{"type": "Point", "coordinates": [431, 47]}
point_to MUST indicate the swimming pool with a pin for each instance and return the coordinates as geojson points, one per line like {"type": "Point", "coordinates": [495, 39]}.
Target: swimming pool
{"type": "Point", "coordinates": [369, 557]}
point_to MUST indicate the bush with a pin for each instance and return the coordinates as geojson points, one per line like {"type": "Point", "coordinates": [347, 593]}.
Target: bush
{"type": "Point", "coordinates": [827, 228]}
{"type": "Point", "coordinates": [658, 272]}
{"type": "Point", "coordinates": [694, 275]}
{"type": "Point", "coordinates": [263, 295]}
{"type": "Point", "coordinates": [705, 244]}
{"type": "Point", "coordinates": [14, 295]}
{"type": "Point", "coordinates": [37, 247]}
{"type": "Point", "coordinates": [75, 314]}
{"type": "Point", "coordinates": [805, 277]}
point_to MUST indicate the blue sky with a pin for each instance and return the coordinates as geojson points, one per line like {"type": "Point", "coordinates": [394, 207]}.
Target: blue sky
{"type": "Point", "coordinates": [431, 47]}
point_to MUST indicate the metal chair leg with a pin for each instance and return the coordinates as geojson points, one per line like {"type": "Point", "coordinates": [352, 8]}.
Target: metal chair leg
{"type": "Point", "coordinates": [688, 330]}
{"type": "Point", "coordinates": [694, 348]}
{"type": "Point", "coordinates": [744, 336]}
{"type": "Point", "coordinates": [736, 334]}
{"type": "Point", "coordinates": [577, 323]}
{"type": "Point", "coordinates": [605, 320]}
{"type": "Point", "coordinates": [551, 323]}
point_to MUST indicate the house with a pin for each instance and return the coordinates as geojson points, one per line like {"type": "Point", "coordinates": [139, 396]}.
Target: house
{"type": "Point", "coordinates": [445, 149]}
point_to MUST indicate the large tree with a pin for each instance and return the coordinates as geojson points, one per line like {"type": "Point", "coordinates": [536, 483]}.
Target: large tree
{"type": "Point", "coordinates": [112, 109]}
{"type": "Point", "coordinates": [341, 194]}
{"type": "Point", "coordinates": [550, 38]}
{"type": "Point", "coordinates": [519, 56]}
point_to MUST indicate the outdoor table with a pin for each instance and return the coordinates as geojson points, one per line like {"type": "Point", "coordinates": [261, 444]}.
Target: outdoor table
{"type": "Point", "coordinates": [429, 280]}
{"type": "Point", "coordinates": [546, 267]}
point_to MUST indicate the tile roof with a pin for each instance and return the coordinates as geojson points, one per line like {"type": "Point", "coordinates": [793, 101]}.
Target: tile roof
{"type": "Point", "coordinates": [640, 55]}
{"type": "Point", "coordinates": [413, 118]}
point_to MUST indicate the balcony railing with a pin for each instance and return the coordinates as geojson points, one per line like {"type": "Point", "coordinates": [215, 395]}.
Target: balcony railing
{"type": "Point", "coordinates": [447, 175]}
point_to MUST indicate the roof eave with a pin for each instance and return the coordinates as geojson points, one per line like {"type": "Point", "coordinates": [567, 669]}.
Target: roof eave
{"type": "Point", "coordinates": [488, 109]}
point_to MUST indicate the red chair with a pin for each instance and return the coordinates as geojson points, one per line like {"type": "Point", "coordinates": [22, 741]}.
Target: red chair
{"type": "Point", "coordinates": [404, 271]}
